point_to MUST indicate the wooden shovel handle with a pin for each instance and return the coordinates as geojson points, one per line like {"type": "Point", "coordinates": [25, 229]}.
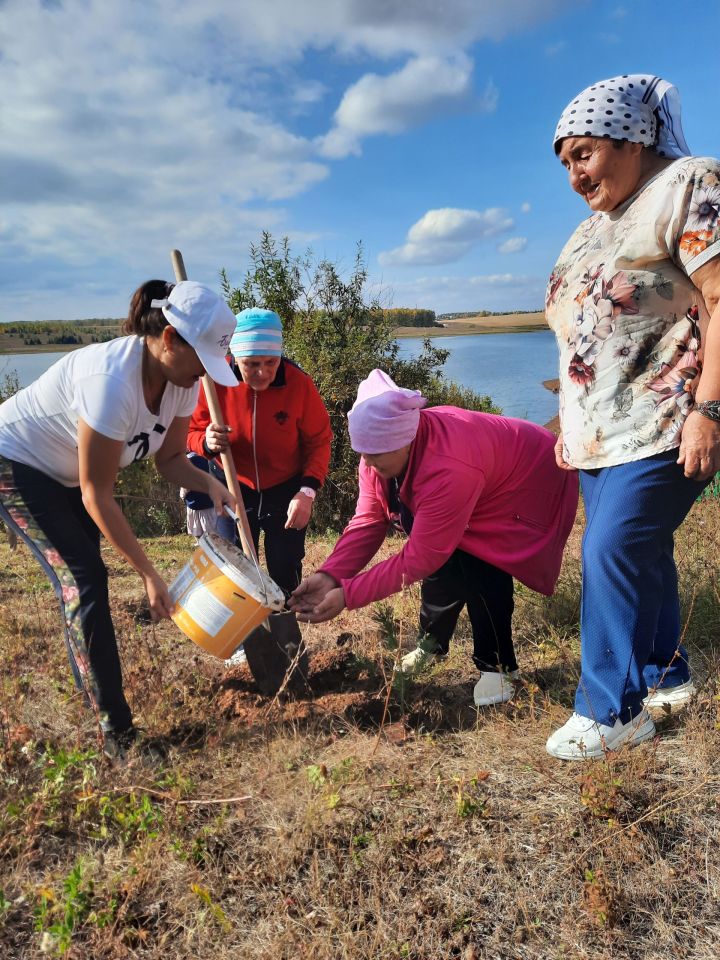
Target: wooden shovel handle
{"type": "Point", "coordinates": [226, 457]}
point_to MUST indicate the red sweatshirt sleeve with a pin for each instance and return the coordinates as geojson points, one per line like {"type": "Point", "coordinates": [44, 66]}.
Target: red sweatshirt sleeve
{"type": "Point", "coordinates": [362, 537]}
{"type": "Point", "coordinates": [198, 421]}
{"type": "Point", "coordinates": [315, 436]}
{"type": "Point", "coordinates": [446, 496]}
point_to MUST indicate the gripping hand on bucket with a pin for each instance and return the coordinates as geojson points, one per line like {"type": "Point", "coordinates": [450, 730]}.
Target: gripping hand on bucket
{"type": "Point", "coordinates": [161, 605]}
{"type": "Point", "coordinates": [220, 495]}
{"type": "Point", "coordinates": [317, 599]}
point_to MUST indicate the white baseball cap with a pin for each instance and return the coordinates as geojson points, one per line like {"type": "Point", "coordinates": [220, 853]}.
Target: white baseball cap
{"type": "Point", "coordinates": [206, 322]}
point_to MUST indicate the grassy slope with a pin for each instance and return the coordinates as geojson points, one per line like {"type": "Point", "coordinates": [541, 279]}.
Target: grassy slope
{"type": "Point", "coordinates": [449, 834]}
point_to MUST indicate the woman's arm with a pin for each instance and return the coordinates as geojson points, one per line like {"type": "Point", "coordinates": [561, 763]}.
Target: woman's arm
{"type": "Point", "coordinates": [559, 450]}
{"type": "Point", "coordinates": [315, 437]}
{"type": "Point", "coordinates": [700, 441]}
{"type": "Point", "coordinates": [99, 460]}
{"type": "Point", "coordinates": [174, 466]}
{"type": "Point", "coordinates": [320, 596]}
{"type": "Point", "coordinates": [446, 504]}
{"type": "Point", "coordinates": [362, 537]}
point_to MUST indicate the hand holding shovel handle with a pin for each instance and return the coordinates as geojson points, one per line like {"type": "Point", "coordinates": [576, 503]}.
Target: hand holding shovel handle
{"type": "Point", "coordinates": [226, 456]}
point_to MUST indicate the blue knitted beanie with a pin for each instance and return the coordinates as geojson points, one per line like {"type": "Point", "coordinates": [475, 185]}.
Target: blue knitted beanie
{"type": "Point", "coordinates": [258, 333]}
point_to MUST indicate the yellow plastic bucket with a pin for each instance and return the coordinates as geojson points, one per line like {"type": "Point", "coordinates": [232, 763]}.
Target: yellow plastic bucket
{"type": "Point", "coordinates": [220, 596]}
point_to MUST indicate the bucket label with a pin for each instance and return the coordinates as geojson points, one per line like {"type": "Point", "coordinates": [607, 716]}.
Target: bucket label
{"type": "Point", "coordinates": [205, 609]}
{"type": "Point", "coordinates": [183, 580]}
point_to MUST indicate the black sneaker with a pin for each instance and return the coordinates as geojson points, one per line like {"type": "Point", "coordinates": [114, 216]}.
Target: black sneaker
{"type": "Point", "coordinates": [118, 743]}
{"type": "Point", "coordinates": [126, 744]}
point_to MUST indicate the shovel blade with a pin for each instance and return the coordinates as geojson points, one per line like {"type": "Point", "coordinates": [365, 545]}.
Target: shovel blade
{"type": "Point", "coordinates": [278, 655]}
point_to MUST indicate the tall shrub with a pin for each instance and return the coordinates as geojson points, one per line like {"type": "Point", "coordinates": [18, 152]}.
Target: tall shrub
{"type": "Point", "coordinates": [338, 333]}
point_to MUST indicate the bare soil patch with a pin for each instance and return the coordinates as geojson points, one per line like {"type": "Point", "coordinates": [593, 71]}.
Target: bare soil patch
{"type": "Point", "coordinates": [322, 827]}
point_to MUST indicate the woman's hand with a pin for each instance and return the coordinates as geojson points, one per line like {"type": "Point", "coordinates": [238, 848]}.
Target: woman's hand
{"type": "Point", "coordinates": [161, 605]}
{"type": "Point", "coordinates": [311, 594]}
{"type": "Point", "coordinates": [559, 459]}
{"type": "Point", "coordinates": [299, 510]}
{"type": "Point", "coordinates": [216, 437]}
{"type": "Point", "coordinates": [700, 447]}
{"type": "Point", "coordinates": [220, 495]}
{"type": "Point", "coordinates": [98, 459]}
{"type": "Point", "coordinates": [330, 607]}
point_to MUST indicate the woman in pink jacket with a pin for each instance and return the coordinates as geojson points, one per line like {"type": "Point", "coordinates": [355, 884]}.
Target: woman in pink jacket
{"type": "Point", "coordinates": [482, 501]}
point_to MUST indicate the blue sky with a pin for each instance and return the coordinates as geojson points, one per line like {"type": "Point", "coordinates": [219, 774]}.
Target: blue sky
{"type": "Point", "coordinates": [421, 128]}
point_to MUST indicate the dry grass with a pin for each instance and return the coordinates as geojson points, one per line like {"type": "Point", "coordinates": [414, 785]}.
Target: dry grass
{"type": "Point", "coordinates": [301, 830]}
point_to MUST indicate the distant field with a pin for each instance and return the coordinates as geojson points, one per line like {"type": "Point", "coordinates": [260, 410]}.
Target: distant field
{"type": "Point", "coordinates": [507, 323]}
{"type": "Point", "coordinates": [12, 345]}
{"type": "Point", "coordinates": [55, 336]}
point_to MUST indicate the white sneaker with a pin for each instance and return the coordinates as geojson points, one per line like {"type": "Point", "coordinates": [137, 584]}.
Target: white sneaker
{"type": "Point", "coordinates": [237, 659]}
{"type": "Point", "coordinates": [583, 739]}
{"type": "Point", "coordinates": [494, 687]}
{"type": "Point", "coordinates": [417, 660]}
{"type": "Point", "coordinates": [676, 696]}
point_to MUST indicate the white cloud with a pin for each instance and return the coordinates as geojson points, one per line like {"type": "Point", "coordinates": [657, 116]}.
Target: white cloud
{"type": "Point", "coordinates": [513, 245]}
{"type": "Point", "coordinates": [384, 28]}
{"type": "Point", "coordinates": [446, 235]}
{"type": "Point", "coordinates": [423, 87]}
{"type": "Point", "coordinates": [134, 127]}
{"type": "Point", "coordinates": [525, 207]}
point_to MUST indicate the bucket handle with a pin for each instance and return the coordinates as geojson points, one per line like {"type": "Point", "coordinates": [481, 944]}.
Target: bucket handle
{"type": "Point", "coordinates": [253, 556]}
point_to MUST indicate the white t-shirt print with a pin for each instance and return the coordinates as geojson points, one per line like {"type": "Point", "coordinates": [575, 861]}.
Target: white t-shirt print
{"type": "Point", "coordinates": [102, 385]}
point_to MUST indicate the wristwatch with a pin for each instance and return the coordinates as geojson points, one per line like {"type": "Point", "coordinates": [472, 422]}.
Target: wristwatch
{"type": "Point", "coordinates": [308, 491]}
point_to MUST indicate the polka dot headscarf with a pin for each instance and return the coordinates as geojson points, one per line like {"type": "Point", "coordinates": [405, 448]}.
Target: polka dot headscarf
{"type": "Point", "coordinates": [636, 107]}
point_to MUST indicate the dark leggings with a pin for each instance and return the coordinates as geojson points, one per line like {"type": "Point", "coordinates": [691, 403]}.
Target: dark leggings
{"type": "Point", "coordinates": [465, 580]}
{"type": "Point", "coordinates": [52, 520]}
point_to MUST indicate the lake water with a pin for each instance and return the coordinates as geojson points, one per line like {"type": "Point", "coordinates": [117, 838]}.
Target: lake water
{"type": "Point", "coordinates": [27, 366]}
{"type": "Point", "coordinates": [508, 367]}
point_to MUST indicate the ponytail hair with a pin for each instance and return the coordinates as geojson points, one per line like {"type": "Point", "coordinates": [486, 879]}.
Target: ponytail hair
{"type": "Point", "coordinates": [144, 320]}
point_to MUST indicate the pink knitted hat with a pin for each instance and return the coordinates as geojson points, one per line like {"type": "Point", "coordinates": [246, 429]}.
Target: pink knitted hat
{"type": "Point", "coordinates": [384, 416]}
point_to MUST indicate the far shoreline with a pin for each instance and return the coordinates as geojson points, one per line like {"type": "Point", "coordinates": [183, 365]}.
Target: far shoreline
{"type": "Point", "coordinates": [460, 327]}
{"type": "Point", "coordinates": [472, 326]}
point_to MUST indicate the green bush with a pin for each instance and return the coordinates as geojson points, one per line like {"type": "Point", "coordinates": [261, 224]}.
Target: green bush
{"type": "Point", "coordinates": [338, 334]}
{"type": "Point", "coordinates": [9, 385]}
{"type": "Point", "coordinates": [151, 505]}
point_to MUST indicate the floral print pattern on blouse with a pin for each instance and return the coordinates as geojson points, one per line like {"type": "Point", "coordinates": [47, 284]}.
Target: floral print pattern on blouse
{"type": "Point", "coordinates": [628, 318]}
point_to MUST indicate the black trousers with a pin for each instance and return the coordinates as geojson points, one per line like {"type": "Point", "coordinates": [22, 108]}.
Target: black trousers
{"type": "Point", "coordinates": [52, 520]}
{"type": "Point", "coordinates": [465, 580]}
{"type": "Point", "coordinates": [267, 513]}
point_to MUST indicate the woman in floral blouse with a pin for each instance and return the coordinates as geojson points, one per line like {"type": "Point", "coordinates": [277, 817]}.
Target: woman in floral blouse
{"type": "Point", "coordinates": [633, 301]}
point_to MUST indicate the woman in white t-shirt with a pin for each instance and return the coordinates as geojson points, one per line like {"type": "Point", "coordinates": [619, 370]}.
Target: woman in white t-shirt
{"type": "Point", "coordinates": [633, 301]}
{"type": "Point", "coordinates": [63, 440]}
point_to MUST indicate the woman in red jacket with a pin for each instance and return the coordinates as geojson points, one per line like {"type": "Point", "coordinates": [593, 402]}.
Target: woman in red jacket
{"type": "Point", "coordinates": [278, 431]}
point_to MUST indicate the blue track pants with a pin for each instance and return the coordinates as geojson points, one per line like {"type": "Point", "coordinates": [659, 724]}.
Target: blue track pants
{"type": "Point", "coordinates": [630, 610]}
